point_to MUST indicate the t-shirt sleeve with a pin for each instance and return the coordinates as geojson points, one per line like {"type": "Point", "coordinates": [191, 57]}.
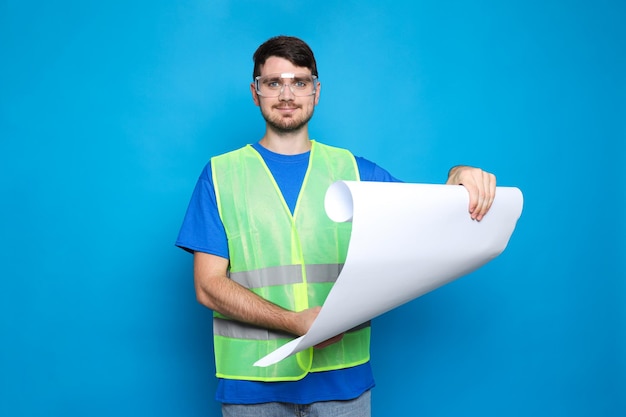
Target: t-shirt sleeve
{"type": "Point", "coordinates": [202, 229]}
{"type": "Point", "coordinates": [369, 171]}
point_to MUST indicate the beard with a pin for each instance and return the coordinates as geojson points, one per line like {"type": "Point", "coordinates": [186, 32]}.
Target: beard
{"type": "Point", "coordinates": [283, 125]}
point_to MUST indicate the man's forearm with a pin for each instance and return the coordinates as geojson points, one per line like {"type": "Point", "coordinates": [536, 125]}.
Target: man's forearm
{"type": "Point", "coordinates": [223, 295]}
{"type": "Point", "coordinates": [239, 303]}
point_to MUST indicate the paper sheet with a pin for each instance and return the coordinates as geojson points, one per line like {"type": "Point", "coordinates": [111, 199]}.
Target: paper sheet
{"type": "Point", "coordinates": [407, 240]}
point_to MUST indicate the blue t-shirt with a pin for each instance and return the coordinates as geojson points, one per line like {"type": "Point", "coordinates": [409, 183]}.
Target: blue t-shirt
{"type": "Point", "coordinates": [203, 231]}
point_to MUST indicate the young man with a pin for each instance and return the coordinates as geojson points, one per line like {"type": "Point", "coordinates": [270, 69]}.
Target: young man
{"type": "Point", "coordinates": [266, 255]}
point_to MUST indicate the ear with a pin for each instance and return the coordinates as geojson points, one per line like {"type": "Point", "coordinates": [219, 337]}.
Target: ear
{"type": "Point", "coordinates": [255, 96]}
{"type": "Point", "coordinates": [317, 93]}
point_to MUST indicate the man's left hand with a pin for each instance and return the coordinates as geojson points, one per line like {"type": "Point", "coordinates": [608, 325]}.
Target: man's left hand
{"type": "Point", "coordinates": [481, 186]}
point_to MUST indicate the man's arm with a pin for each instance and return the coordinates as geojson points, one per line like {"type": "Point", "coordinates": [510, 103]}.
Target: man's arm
{"type": "Point", "coordinates": [481, 186]}
{"type": "Point", "coordinates": [219, 293]}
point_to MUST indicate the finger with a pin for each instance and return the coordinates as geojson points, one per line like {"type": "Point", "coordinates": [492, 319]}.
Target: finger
{"type": "Point", "coordinates": [492, 190]}
{"type": "Point", "coordinates": [488, 185]}
{"type": "Point", "coordinates": [483, 197]}
{"type": "Point", "coordinates": [474, 196]}
{"type": "Point", "coordinates": [478, 190]}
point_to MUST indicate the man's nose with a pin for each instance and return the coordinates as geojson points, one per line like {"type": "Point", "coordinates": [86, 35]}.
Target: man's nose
{"type": "Point", "coordinates": [286, 93]}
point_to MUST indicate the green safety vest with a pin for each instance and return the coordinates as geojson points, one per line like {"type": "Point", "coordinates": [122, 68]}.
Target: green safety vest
{"type": "Point", "coordinates": [290, 260]}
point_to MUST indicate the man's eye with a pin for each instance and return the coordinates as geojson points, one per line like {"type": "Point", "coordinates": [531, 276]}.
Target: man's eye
{"type": "Point", "coordinates": [300, 84]}
{"type": "Point", "coordinates": [273, 84]}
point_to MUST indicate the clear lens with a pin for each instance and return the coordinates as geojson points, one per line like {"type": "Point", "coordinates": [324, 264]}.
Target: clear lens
{"type": "Point", "coordinates": [273, 85]}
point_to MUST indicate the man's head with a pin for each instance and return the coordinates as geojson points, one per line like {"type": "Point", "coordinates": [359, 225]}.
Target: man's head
{"type": "Point", "coordinates": [290, 48]}
{"type": "Point", "coordinates": [285, 85]}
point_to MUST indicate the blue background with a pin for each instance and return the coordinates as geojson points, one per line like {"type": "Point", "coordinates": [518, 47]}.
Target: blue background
{"type": "Point", "coordinates": [109, 110]}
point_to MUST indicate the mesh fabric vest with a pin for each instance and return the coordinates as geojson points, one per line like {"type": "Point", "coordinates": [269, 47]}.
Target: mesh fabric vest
{"type": "Point", "coordinates": [291, 260]}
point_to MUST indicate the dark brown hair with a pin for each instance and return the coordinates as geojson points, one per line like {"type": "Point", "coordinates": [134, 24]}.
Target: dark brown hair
{"type": "Point", "coordinates": [292, 49]}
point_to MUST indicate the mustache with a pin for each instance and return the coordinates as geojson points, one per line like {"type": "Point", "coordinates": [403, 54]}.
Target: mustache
{"type": "Point", "coordinates": [286, 106]}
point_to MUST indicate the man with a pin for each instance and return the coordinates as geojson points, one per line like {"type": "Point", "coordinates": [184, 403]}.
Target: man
{"type": "Point", "coordinates": [266, 255]}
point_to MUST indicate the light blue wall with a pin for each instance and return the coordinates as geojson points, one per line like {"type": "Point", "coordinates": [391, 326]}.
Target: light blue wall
{"type": "Point", "coordinates": [109, 111]}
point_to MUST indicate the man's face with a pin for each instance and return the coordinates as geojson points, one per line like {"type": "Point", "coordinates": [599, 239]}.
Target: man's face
{"type": "Point", "coordinates": [287, 112]}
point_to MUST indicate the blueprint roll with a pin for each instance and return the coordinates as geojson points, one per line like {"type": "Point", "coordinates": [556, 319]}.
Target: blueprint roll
{"type": "Point", "coordinates": [418, 237]}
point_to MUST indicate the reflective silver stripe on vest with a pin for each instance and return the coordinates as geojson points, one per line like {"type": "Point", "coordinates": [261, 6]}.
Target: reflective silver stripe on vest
{"type": "Point", "coordinates": [360, 326]}
{"type": "Point", "coordinates": [239, 330]}
{"type": "Point", "coordinates": [323, 273]}
{"type": "Point", "coordinates": [285, 275]}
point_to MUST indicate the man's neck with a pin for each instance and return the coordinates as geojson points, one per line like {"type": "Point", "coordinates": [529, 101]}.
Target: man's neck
{"type": "Point", "coordinates": [292, 143]}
